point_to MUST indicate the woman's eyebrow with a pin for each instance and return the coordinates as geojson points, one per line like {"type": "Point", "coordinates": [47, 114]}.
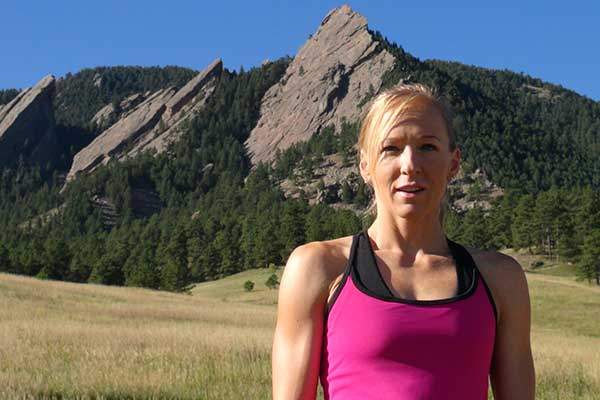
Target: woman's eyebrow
{"type": "Point", "coordinates": [394, 139]}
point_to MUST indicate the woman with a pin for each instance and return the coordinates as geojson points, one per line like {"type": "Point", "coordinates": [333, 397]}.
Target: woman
{"type": "Point", "coordinates": [399, 311]}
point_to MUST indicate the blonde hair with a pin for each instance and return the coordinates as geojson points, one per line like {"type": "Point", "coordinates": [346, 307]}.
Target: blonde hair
{"type": "Point", "coordinates": [385, 112]}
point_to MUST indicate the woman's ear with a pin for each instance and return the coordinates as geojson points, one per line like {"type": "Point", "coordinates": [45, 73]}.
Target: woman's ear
{"type": "Point", "coordinates": [364, 167]}
{"type": "Point", "coordinates": [454, 163]}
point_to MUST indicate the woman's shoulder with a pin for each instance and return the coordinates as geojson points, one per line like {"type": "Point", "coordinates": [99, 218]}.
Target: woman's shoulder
{"type": "Point", "coordinates": [328, 255]}
{"type": "Point", "coordinates": [504, 276]}
{"type": "Point", "coordinates": [319, 263]}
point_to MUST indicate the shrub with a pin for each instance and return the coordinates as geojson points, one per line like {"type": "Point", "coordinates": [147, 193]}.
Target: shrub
{"type": "Point", "coordinates": [248, 286]}
{"type": "Point", "coordinates": [537, 264]}
{"type": "Point", "coordinates": [272, 282]}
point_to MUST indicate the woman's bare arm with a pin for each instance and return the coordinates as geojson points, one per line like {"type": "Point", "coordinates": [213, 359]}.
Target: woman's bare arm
{"type": "Point", "coordinates": [300, 318]}
{"type": "Point", "coordinates": [512, 373]}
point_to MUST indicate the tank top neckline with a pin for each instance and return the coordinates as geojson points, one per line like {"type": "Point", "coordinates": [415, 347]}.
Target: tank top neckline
{"type": "Point", "coordinates": [458, 254]}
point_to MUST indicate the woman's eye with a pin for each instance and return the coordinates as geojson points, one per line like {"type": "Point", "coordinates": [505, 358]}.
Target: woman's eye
{"type": "Point", "coordinates": [394, 148]}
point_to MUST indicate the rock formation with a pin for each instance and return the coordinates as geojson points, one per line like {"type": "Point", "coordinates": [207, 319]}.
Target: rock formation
{"type": "Point", "coordinates": [27, 126]}
{"type": "Point", "coordinates": [108, 113]}
{"type": "Point", "coordinates": [151, 124]}
{"type": "Point", "coordinates": [114, 140]}
{"type": "Point", "coordinates": [185, 103]}
{"type": "Point", "coordinates": [332, 77]}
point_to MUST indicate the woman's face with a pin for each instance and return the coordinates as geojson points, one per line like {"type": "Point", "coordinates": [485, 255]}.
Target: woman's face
{"type": "Point", "coordinates": [416, 151]}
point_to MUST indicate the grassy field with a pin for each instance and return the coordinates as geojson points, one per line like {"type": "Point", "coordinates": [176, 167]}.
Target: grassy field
{"type": "Point", "coordinates": [65, 340]}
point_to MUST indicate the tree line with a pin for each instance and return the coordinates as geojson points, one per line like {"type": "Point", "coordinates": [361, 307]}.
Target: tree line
{"type": "Point", "coordinates": [219, 217]}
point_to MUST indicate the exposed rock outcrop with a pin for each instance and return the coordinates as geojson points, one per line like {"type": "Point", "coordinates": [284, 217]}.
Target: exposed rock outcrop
{"type": "Point", "coordinates": [27, 126]}
{"type": "Point", "coordinates": [114, 140]}
{"type": "Point", "coordinates": [332, 77]}
{"type": "Point", "coordinates": [185, 103]}
{"type": "Point", "coordinates": [144, 203]}
{"type": "Point", "coordinates": [107, 115]}
{"type": "Point", "coordinates": [466, 190]}
{"type": "Point", "coordinates": [151, 124]}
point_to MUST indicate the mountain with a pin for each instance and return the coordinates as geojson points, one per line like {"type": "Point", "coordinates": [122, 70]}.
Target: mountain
{"type": "Point", "coordinates": [328, 81]}
{"type": "Point", "coordinates": [27, 125]}
{"type": "Point", "coordinates": [151, 124]}
{"type": "Point", "coordinates": [161, 176]}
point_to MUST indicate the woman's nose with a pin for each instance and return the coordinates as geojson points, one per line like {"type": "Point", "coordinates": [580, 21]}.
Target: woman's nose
{"type": "Point", "coordinates": [409, 161]}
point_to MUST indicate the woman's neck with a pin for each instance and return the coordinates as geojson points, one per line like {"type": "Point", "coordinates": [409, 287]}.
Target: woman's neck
{"type": "Point", "coordinates": [409, 237]}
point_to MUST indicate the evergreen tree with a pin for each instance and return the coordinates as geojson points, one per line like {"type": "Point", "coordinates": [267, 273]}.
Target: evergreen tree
{"type": "Point", "coordinates": [523, 228]}
{"type": "Point", "coordinates": [174, 272]}
{"type": "Point", "coordinates": [474, 231]}
{"type": "Point", "coordinates": [589, 267]}
{"type": "Point", "coordinates": [547, 215]}
{"type": "Point", "coordinates": [108, 270]}
{"type": "Point", "coordinates": [56, 259]}
{"type": "Point", "coordinates": [195, 246]}
{"type": "Point", "coordinates": [248, 241]}
{"type": "Point", "coordinates": [4, 259]}
{"type": "Point", "coordinates": [292, 231]}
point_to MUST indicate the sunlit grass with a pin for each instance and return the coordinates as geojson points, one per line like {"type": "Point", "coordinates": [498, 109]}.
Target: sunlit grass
{"type": "Point", "coordinates": [66, 340]}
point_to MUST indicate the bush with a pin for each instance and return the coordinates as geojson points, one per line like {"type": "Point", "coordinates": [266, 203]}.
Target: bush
{"type": "Point", "coordinates": [537, 264]}
{"type": "Point", "coordinates": [248, 286]}
{"type": "Point", "coordinates": [272, 282]}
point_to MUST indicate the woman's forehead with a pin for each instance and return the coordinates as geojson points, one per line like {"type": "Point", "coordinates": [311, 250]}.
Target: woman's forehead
{"type": "Point", "coordinates": [417, 127]}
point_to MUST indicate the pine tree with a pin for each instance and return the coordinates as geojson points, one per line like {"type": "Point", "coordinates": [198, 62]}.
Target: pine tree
{"type": "Point", "coordinates": [547, 215]}
{"type": "Point", "coordinates": [174, 273]}
{"type": "Point", "coordinates": [4, 259]}
{"type": "Point", "coordinates": [474, 232]}
{"type": "Point", "coordinates": [589, 266]}
{"type": "Point", "coordinates": [195, 246]}
{"type": "Point", "coordinates": [292, 231]}
{"type": "Point", "coordinates": [248, 241]}
{"type": "Point", "coordinates": [56, 259]}
{"type": "Point", "coordinates": [522, 227]}
{"type": "Point", "coordinates": [108, 270]}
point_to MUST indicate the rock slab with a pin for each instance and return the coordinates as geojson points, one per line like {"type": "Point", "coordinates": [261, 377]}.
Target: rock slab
{"type": "Point", "coordinates": [333, 76]}
{"type": "Point", "coordinates": [150, 124]}
{"type": "Point", "coordinates": [27, 126]}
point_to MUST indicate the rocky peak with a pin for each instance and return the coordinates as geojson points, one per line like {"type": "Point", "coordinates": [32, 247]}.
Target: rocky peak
{"type": "Point", "coordinates": [191, 89]}
{"type": "Point", "coordinates": [333, 76]}
{"type": "Point", "coordinates": [150, 124]}
{"type": "Point", "coordinates": [27, 126]}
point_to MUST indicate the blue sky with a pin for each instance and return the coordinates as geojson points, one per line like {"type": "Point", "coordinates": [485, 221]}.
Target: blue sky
{"type": "Point", "coordinates": [558, 42]}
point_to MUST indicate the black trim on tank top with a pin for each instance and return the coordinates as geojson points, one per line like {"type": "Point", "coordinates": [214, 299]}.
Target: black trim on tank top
{"type": "Point", "coordinates": [460, 254]}
{"type": "Point", "coordinates": [366, 259]}
{"type": "Point", "coordinates": [347, 270]}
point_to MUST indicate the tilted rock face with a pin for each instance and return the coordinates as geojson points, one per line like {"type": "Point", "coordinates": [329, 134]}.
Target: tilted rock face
{"type": "Point", "coordinates": [332, 77]}
{"type": "Point", "coordinates": [27, 125]}
{"type": "Point", "coordinates": [108, 113]}
{"type": "Point", "coordinates": [110, 142]}
{"type": "Point", "coordinates": [151, 124]}
{"type": "Point", "coordinates": [185, 103]}
{"type": "Point", "coordinates": [191, 89]}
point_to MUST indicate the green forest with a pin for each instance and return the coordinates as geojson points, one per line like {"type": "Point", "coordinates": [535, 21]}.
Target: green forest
{"type": "Point", "coordinates": [218, 215]}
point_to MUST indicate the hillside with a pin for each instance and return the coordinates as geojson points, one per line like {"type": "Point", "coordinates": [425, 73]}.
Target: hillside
{"type": "Point", "coordinates": [177, 176]}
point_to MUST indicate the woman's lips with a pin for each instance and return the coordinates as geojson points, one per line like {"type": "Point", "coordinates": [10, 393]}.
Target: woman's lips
{"type": "Point", "coordinates": [409, 195]}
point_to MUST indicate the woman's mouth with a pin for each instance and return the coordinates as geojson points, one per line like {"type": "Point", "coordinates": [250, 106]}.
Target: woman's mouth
{"type": "Point", "coordinates": [409, 193]}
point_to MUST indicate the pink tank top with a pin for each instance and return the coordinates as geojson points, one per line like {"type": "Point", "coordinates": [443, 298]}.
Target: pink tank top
{"type": "Point", "coordinates": [376, 347]}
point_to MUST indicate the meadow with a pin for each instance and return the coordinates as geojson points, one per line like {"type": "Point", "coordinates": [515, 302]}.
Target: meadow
{"type": "Point", "coordinates": [81, 341]}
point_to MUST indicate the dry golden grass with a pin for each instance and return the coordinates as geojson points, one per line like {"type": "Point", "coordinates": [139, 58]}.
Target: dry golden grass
{"type": "Point", "coordinates": [65, 340]}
